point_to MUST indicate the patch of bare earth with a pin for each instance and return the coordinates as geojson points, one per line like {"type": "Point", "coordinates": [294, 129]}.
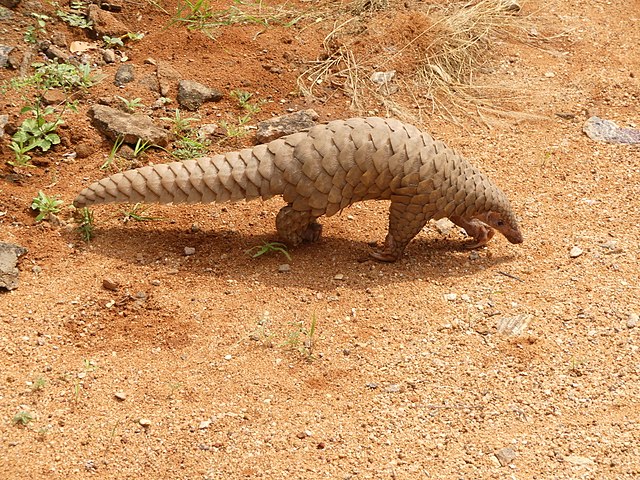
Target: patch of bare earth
{"type": "Point", "coordinates": [203, 366]}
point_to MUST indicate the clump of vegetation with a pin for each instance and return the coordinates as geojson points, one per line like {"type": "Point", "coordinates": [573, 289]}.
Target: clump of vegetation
{"type": "Point", "coordinates": [22, 418]}
{"type": "Point", "coordinates": [303, 339]}
{"type": "Point", "coordinates": [76, 16]}
{"type": "Point", "coordinates": [35, 132]}
{"type": "Point", "coordinates": [45, 205]}
{"type": "Point", "coordinates": [239, 129]}
{"type": "Point", "coordinates": [85, 225]}
{"type": "Point", "coordinates": [436, 52]}
{"type": "Point", "coordinates": [199, 15]}
{"type": "Point", "coordinates": [138, 214]}
{"type": "Point", "coordinates": [34, 33]}
{"type": "Point", "coordinates": [268, 247]}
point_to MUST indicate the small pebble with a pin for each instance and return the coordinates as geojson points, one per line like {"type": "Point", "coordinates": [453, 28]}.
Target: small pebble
{"type": "Point", "coordinates": [285, 267]}
{"type": "Point", "coordinates": [450, 297]}
{"type": "Point", "coordinates": [204, 424]}
{"type": "Point", "coordinates": [189, 251]}
{"type": "Point", "coordinates": [228, 357]}
{"type": "Point", "coordinates": [110, 284]}
{"type": "Point", "coordinates": [120, 396]}
{"type": "Point", "coordinates": [155, 283]}
{"type": "Point", "coordinates": [145, 422]}
{"type": "Point", "coordinates": [505, 456]}
{"type": "Point", "coordinates": [575, 252]}
{"type": "Point", "coordinates": [339, 276]}
{"type": "Point", "coordinates": [632, 321]}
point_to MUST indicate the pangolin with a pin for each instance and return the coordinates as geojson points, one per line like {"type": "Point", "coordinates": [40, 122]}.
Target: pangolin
{"type": "Point", "coordinates": [326, 168]}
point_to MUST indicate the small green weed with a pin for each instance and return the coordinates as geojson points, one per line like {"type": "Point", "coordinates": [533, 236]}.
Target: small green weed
{"type": "Point", "coordinates": [131, 105]}
{"type": "Point", "coordinates": [34, 132]}
{"type": "Point", "coordinates": [188, 148]}
{"type": "Point", "coordinates": [34, 32]}
{"type": "Point", "coordinates": [22, 418]}
{"type": "Point", "coordinates": [268, 247]}
{"type": "Point", "coordinates": [61, 75]}
{"type": "Point", "coordinates": [302, 339]}
{"type": "Point", "coordinates": [113, 153]}
{"type": "Point", "coordinates": [141, 147]}
{"type": "Point", "coordinates": [111, 42]}
{"type": "Point", "coordinates": [38, 384]}
{"type": "Point", "coordinates": [85, 225]}
{"type": "Point", "coordinates": [137, 213]}
{"type": "Point", "coordinates": [45, 205]}
{"type": "Point", "coordinates": [198, 15]}
{"type": "Point", "coordinates": [76, 17]}
{"type": "Point", "coordinates": [181, 125]}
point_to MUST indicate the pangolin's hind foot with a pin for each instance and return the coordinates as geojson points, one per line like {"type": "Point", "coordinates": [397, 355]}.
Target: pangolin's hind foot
{"type": "Point", "coordinates": [405, 222]}
{"type": "Point", "coordinates": [480, 231]}
{"type": "Point", "coordinates": [296, 227]}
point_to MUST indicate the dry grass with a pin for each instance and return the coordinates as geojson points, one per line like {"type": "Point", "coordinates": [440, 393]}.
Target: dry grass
{"type": "Point", "coordinates": [445, 50]}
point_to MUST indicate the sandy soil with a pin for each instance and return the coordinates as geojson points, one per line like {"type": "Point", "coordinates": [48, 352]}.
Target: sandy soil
{"type": "Point", "coordinates": [203, 366]}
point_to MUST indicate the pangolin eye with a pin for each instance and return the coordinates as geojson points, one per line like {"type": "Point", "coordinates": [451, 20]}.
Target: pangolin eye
{"type": "Point", "coordinates": [500, 223]}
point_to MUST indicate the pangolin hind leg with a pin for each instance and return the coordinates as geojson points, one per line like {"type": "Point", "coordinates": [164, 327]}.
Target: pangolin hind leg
{"type": "Point", "coordinates": [295, 227]}
{"type": "Point", "coordinates": [405, 222]}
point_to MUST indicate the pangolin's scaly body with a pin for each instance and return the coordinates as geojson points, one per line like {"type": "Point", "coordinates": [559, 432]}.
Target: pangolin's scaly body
{"type": "Point", "coordinates": [325, 169]}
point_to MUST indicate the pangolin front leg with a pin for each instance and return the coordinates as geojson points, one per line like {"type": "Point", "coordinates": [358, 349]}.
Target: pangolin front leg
{"type": "Point", "coordinates": [480, 231]}
{"type": "Point", "coordinates": [295, 227]}
{"type": "Point", "coordinates": [406, 219]}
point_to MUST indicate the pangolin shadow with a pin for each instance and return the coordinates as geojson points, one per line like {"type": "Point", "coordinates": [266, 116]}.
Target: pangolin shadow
{"type": "Point", "coordinates": [229, 254]}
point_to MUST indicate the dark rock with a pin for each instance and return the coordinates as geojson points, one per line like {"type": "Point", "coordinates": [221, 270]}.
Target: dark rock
{"type": "Point", "coordinates": [110, 5]}
{"type": "Point", "coordinates": [9, 3]}
{"type": "Point", "coordinates": [286, 124]}
{"type": "Point", "coordinates": [124, 75]}
{"type": "Point", "coordinates": [191, 95]}
{"type": "Point", "coordinates": [9, 254]}
{"type": "Point", "coordinates": [132, 127]}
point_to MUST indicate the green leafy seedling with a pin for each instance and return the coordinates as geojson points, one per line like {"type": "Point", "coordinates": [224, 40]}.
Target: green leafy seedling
{"type": "Point", "coordinates": [267, 247]}
{"type": "Point", "coordinates": [22, 418]}
{"type": "Point", "coordinates": [85, 226]}
{"type": "Point", "coordinates": [45, 205]}
{"type": "Point", "coordinates": [137, 213]}
{"type": "Point", "coordinates": [131, 105]}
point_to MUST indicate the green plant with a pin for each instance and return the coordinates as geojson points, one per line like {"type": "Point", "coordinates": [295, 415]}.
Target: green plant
{"type": "Point", "coordinates": [131, 105]}
{"type": "Point", "coordinates": [243, 101]}
{"type": "Point", "coordinates": [33, 32]}
{"type": "Point", "coordinates": [85, 225]}
{"type": "Point", "coordinates": [180, 124]}
{"type": "Point", "coordinates": [45, 205]}
{"type": "Point", "coordinates": [38, 384]}
{"type": "Point", "coordinates": [75, 19]}
{"type": "Point", "coordinates": [198, 15]}
{"type": "Point", "coordinates": [140, 147]}
{"type": "Point", "coordinates": [22, 418]}
{"type": "Point", "coordinates": [34, 132]}
{"type": "Point", "coordinates": [113, 153]}
{"type": "Point", "coordinates": [302, 339]}
{"type": "Point", "coordinates": [188, 148]}
{"type": "Point", "coordinates": [110, 42]}
{"type": "Point", "coordinates": [58, 75]}
{"type": "Point", "coordinates": [137, 213]}
{"type": "Point", "coordinates": [267, 247]}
